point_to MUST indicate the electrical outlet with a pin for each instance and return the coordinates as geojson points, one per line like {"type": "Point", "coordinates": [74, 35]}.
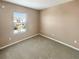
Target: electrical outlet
{"type": "Point", "coordinates": [3, 6]}
{"type": "Point", "coordinates": [9, 38]}
{"type": "Point", "coordinates": [75, 41]}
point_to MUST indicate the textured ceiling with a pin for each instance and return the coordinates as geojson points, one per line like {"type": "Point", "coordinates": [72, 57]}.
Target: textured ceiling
{"type": "Point", "coordinates": [38, 4]}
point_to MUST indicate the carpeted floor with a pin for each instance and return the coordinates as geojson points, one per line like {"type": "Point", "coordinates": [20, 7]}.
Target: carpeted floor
{"type": "Point", "coordinates": [38, 48]}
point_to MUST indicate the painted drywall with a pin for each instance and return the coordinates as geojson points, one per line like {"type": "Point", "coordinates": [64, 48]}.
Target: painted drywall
{"type": "Point", "coordinates": [7, 26]}
{"type": "Point", "coordinates": [62, 23]}
{"type": "Point", "coordinates": [0, 18]}
{"type": "Point", "coordinates": [0, 24]}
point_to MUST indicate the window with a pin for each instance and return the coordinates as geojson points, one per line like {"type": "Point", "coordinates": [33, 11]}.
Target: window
{"type": "Point", "coordinates": [19, 21]}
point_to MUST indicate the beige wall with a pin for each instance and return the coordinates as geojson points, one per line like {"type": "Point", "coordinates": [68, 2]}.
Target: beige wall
{"type": "Point", "coordinates": [0, 18]}
{"type": "Point", "coordinates": [6, 23]}
{"type": "Point", "coordinates": [0, 22]}
{"type": "Point", "coordinates": [62, 23]}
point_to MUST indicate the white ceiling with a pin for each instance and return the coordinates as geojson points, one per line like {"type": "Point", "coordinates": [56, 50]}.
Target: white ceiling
{"type": "Point", "coordinates": [38, 4]}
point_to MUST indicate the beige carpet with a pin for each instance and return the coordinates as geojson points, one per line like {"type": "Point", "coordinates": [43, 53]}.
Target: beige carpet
{"type": "Point", "coordinates": [39, 48]}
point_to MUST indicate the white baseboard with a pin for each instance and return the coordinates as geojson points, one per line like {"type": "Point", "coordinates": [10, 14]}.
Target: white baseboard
{"type": "Point", "coordinates": [43, 36]}
{"type": "Point", "coordinates": [60, 42]}
{"type": "Point", "coordinates": [17, 41]}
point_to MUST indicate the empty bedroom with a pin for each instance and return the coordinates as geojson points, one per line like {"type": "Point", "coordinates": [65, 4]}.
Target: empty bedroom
{"type": "Point", "coordinates": [39, 29]}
